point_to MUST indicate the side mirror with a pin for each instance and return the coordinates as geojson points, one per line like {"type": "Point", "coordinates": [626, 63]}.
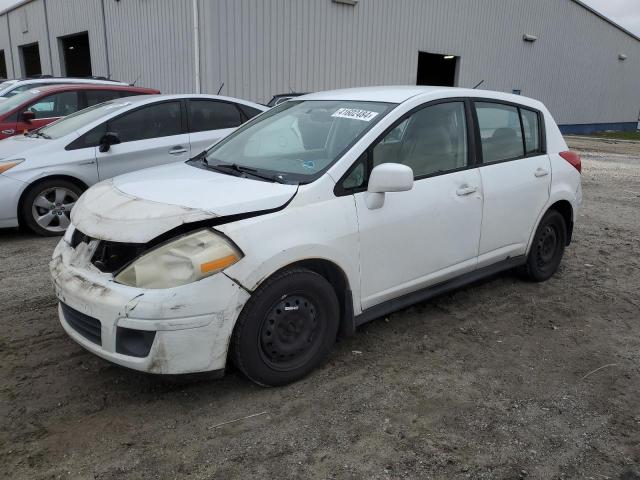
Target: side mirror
{"type": "Point", "coordinates": [108, 139]}
{"type": "Point", "coordinates": [27, 116]}
{"type": "Point", "coordinates": [387, 177]}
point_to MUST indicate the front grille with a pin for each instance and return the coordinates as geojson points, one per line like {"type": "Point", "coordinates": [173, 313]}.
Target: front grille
{"type": "Point", "coordinates": [85, 325]}
{"type": "Point", "coordinates": [109, 256]}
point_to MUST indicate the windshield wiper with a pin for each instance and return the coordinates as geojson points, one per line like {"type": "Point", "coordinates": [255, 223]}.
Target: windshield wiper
{"type": "Point", "coordinates": [242, 170]}
{"type": "Point", "coordinates": [36, 133]}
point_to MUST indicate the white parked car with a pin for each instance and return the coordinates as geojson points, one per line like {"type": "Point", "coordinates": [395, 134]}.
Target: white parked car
{"type": "Point", "coordinates": [319, 215]}
{"type": "Point", "coordinates": [9, 88]}
{"type": "Point", "coordinates": [43, 173]}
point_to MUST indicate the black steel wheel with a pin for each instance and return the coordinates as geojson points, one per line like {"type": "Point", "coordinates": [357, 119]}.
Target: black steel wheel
{"type": "Point", "coordinates": [287, 328]}
{"type": "Point", "coordinates": [547, 248]}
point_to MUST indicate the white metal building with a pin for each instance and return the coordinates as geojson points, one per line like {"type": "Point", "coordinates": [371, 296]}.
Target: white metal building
{"type": "Point", "coordinates": [583, 66]}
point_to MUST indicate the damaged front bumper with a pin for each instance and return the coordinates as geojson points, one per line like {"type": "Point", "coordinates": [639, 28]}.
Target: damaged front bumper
{"type": "Point", "coordinates": [168, 331]}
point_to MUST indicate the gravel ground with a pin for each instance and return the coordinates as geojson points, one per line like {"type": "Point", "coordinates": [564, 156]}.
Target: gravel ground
{"type": "Point", "coordinates": [496, 381]}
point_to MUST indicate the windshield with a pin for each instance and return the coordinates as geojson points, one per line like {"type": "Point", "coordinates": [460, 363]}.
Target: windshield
{"type": "Point", "coordinates": [77, 120]}
{"type": "Point", "coordinates": [298, 140]}
{"type": "Point", "coordinates": [6, 84]}
{"type": "Point", "coordinates": [17, 100]}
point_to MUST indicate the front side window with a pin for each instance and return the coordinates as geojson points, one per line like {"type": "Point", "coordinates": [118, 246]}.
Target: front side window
{"type": "Point", "coordinates": [212, 115]}
{"type": "Point", "coordinates": [298, 140]}
{"type": "Point", "coordinates": [432, 140]}
{"type": "Point", "coordinates": [55, 105]}
{"type": "Point", "coordinates": [78, 120]}
{"type": "Point", "coordinates": [151, 121]}
{"type": "Point", "coordinates": [500, 132]}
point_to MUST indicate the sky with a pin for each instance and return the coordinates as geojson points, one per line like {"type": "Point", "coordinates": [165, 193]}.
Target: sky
{"type": "Point", "coordinates": [624, 12]}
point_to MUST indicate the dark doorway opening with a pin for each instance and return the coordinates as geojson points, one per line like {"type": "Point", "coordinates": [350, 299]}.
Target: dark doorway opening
{"type": "Point", "coordinates": [3, 65]}
{"type": "Point", "coordinates": [76, 55]}
{"type": "Point", "coordinates": [436, 69]}
{"type": "Point", "coordinates": [30, 56]}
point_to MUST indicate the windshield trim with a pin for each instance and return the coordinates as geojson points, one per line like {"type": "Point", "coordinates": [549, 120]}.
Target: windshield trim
{"type": "Point", "coordinates": [295, 178]}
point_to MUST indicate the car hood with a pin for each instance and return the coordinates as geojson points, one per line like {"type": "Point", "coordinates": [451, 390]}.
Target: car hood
{"type": "Point", "coordinates": [139, 206]}
{"type": "Point", "coordinates": [19, 144]}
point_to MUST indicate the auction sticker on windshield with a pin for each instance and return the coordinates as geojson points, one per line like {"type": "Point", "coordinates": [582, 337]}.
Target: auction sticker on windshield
{"type": "Point", "coordinates": [355, 113]}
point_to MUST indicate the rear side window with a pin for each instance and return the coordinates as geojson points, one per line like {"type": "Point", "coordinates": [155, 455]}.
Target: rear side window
{"type": "Point", "coordinates": [55, 105]}
{"type": "Point", "coordinates": [152, 121]}
{"type": "Point", "coordinates": [212, 115]}
{"type": "Point", "coordinates": [531, 128]}
{"type": "Point", "coordinates": [500, 132]}
{"type": "Point", "coordinates": [99, 96]}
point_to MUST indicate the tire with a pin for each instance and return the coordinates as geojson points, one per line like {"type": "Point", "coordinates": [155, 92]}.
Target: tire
{"type": "Point", "coordinates": [547, 248]}
{"type": "Point", "coordinates": [286, 329]}
{"type": "Point", "coordinates": [46, 207]}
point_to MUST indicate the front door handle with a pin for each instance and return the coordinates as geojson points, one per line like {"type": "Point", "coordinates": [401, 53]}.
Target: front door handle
{"type": "Point", "coordinates": [177, 150]}
{"type": "Point", "coordinates": [466, 190]}
{"type": "Point", "coordinates": [541, 172]}
{"type": "Point", "coordinates": [9, 131]}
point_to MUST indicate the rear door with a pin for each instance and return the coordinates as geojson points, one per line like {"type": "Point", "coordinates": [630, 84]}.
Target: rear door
{"type": "Point", "coordinates": [210, 121]}
{"type": "Point", "coordinates": [150, 135]}
{"type": "Point", "coordinates": [48, 109]}
{"type": "Point", "coordinates": [516, 177]}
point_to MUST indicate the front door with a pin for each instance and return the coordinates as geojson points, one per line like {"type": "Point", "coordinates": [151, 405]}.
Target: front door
{"type": "Point", "coordinates": [428, 234]}
{"type": "Point", "coordinates": [150, 135]}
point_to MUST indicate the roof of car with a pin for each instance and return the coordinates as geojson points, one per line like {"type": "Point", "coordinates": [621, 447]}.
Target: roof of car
{"type": "Point", "coordinates": [141, 99]}
{"type": "Point", "coordinates": [93, 86]}
{"type": "Point", "coordinates": [402, 93]}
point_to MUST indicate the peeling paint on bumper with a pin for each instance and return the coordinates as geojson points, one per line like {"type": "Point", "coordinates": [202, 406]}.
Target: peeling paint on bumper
{"type": "Point", "coordinates": [193, 323]}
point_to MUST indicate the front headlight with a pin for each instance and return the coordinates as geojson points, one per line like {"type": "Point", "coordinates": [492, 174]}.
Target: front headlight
{"type": "Point", "coordinates": [184, 260]}
{"type": "Point", "coordinates": [7, 164]}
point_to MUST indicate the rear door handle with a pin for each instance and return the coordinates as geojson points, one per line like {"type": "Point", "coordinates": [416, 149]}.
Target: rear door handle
{"type": "Point", "coordinates": [177, 150]}
{"type": "Point", "coordinates": [541, 172]}
{"type": "Point", "coordinates": [466, 190]}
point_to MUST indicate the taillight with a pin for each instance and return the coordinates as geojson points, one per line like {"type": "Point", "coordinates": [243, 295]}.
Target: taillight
{"type": "Point", "coordinates": [573, 158]}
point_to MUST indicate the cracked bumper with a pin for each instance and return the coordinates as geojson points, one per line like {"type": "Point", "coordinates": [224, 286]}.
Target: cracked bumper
{"type": "Point", "coordinates": [192, 323]}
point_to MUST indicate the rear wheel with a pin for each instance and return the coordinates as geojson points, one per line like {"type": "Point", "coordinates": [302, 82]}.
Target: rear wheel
{"type": "Point", "coordinates": [547, 248]}
{"type": "Point", "coordinates": [286, 329]}
{"type": "Point", "coordinates": [46, 208]}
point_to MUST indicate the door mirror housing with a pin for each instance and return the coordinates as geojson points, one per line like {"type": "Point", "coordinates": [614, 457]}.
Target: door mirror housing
{"type": "Point", "coordinates": [387, 177]}
{"type": "Point", "coordinates": [390, 177]}
{"type": "Point", "coordinates": [108, 139]}
{"type": "Point", "coordinates": [27, 116]}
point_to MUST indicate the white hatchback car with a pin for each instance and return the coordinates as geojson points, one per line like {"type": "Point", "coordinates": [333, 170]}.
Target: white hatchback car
{"type": "Point", "coordinates": [43, 173]}
{"type": "Point", "coordinates": [319, 215]}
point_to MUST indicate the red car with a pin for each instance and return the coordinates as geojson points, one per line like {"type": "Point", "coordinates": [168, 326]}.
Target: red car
{"type": "Point", "coordinates": [37, 107]}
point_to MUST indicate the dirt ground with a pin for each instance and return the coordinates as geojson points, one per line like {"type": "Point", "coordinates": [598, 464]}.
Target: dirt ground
{"type": "Point", "coordinates": [497, 381]}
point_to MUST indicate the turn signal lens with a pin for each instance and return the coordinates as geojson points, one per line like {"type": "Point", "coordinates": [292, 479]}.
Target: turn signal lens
{"type": "Point", "coordinates": [185, 260]}
{"type": "Point", "coordinates": [4, 166]}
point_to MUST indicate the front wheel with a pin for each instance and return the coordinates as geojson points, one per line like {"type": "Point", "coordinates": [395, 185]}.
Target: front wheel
{"type": "Point", "coordinates": [547, 248]}
{"type": "Point", "coordinates": [286, 329]}
{"type": "Point", "coordinates": [46, 208]}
